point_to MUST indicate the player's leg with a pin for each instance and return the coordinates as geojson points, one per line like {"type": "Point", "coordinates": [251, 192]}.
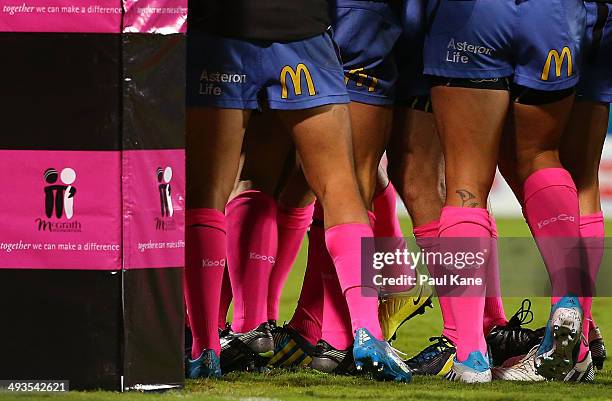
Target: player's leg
{"type": "Point", "coordinates": [215, 130]}
{"type": "Point", "coordinates": [470, 112]}
{"type": "Point", "coordinates": [320, 128]}
{"type": "Point", "coordinates": [416, 168]}
{"type": "Point", "coordinates": [294, 216]}
{"type": "Point", "coordinates": [252, 220]}
{"type": "Point", "coordinates": [214, 138]}
{"type": "Point", "coordinates": [543, 102]}
{"type": "Point", "coordinates": [470, 154]}
{"type": "Point", "coordinates": [295, 342]}
{"type": "Point", "coordinates": [581, 151]}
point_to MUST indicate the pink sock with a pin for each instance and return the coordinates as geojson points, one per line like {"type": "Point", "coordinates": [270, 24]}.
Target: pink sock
{"type": "Point", "coordinates": [252, 239]}
{"type": "Point", "coordinates": [292, 226]}
{"type": "Point", "coordinates": [225, 300]}
{"type": "Point", "coordinates": [385, 210]}
{"type": "Point", "coordinates": [551, 206]}
{"type": "Point", "coordinates": [308, 317]}
{"type": "Point", "coordinates": [344, 245]}
{"type": "Point", "coordinates": [334, 321]}
{"type": "Point", "coordinates": [494, 315]}
{"type": "Point", "coordinates": [426, 238]}
{"type": "Point", "coordinates": [468, 311]}
{"type": "Point", "coordinates": [204, 266]}
{"type": "Point", "coordinates": [386, 225]}
{"type": "Point", "coordinates": [593, 236]}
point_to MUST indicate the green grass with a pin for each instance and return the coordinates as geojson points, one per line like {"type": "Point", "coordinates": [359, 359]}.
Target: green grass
{"type": "Point", "coordinates": [308, 385]}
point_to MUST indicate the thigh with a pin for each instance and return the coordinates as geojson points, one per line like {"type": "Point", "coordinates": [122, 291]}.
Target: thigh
{"type": "Point", "coordinates": [416, 165]}
{"type": "Point", "coordinates": [295, 191]}
{"type": "Point", "coordinates": [267, 145]}
{"type": "Point", "coordinates": [507, 162]}
{"type": "Point", "coordinates": [581, 147]}
{"type": "Point", "coordinates": [214, 141]}
{"type": "Point", "coordinates": [538, 130]}
{"type": "Point", "coordinates": [322, 138]}
{"type": "Point", "coordinates": [470, 123]}
{"type": "Point", "coordinates": [371, 126]}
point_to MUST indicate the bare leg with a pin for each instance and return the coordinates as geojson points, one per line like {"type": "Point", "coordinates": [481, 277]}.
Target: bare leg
{"type": "Point", "coordinates": [416, 164]}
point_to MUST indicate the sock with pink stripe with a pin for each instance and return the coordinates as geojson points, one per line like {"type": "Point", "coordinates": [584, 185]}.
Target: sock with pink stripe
{"type": "Point", "coordinates": [308, 317]}
{"type": "Point", "coordinates": [385, 210]}
{"type": "Point", "coordinates": [467, 310]}
{"type": "Point", "coordinates": [252, 239]}
{"type": "Point", "coordinates": [204, 265]}
{"type": "Point", "coordinates": [426, 237]}
{"type": "Point", "coordinates": [344, 245]}
{"type": "Point", "coordinates": [551, 206]}
{"type": "Point", "coordinates": [292, 225]}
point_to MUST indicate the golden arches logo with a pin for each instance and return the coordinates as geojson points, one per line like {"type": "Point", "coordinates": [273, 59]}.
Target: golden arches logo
{"type": "Point", "coordinates": [558, 59]}
{"type": "Point", "coordinates": [360, 78]}
{"type": "Point", "coordinates": [296, 79]}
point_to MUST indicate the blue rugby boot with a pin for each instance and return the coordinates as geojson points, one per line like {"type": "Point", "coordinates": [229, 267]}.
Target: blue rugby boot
{"type": "Point", "coordinates": [207, 365]}
{"type": "Point", "coordinates": [555, 356]}
{"type": "Point", "coordinates": [378, 358]}
{"type": "Point", "coordinates": [475, 369]}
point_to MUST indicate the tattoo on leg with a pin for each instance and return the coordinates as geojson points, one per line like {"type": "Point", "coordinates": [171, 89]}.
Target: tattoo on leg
{"type": "Point", "coordinates": [467, 198]}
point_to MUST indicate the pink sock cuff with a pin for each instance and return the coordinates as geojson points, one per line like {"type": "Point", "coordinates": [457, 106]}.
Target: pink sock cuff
{"type": "Point", "coordinates": [427, 230]}
{"type": "Point", "coordinates": [592, 225]}
{"type": "Point", "coordinates": [545, 178]}
{"type": "Point", "coordinates": [454, 215]}
{"type": "Point", "coordinates": [206, 217]}
{"type": "Point", "coordinates": [336, 236]}
{"type": "Point", "coordinates": [295, 217]}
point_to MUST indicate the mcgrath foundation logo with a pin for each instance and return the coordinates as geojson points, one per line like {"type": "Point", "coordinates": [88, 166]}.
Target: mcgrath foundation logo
{"type": "Point", "coordinates": [59, 201]}
{"type": "Point", "coordinates": [166, 221]}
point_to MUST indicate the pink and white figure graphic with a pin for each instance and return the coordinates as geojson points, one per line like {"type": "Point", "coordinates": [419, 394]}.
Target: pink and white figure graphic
{"type": "Point", "coordinates": [87, 16]}
{"type": "Point", "coordinates": [59, 198]}
{"type": "Point", "coordinates": [51, 224]}
{"type": "Point", "coordinates": [68, 176]}
{"type": "Point", "coordinates": [155, 16]}
{"type": "Point", "coordinates": [164, 175]}
{"type": "Point", "coordinates": [153, 208]}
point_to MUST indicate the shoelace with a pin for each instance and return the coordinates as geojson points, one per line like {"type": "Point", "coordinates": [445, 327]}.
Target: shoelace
{"type": "Point", "coordinates": [401, 353]}
{"type": "Point", "coordinates": [522, 316]}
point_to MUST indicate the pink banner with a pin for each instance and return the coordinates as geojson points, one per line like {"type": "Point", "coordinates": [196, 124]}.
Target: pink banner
{"type": "Point", "coordinates": [155, 16]}
{"type": "Point", "coordinates": [60, 210]}
{"type": "Point", "coordinates": [90, 16]}
{"type": "Point", "coordinates": [154, 208]}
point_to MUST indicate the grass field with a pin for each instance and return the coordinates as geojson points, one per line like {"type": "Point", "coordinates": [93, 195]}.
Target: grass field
{"type": "Point", "coordinates": [308, 385]}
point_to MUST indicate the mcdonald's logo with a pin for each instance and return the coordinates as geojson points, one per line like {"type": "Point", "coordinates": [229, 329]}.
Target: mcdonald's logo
{"type": "Point", "coordinates": [360, 78]}
{"type": "Point", "coordinates": [558, 59]}
{"type": "Point", "coordinates": [296, 79]}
